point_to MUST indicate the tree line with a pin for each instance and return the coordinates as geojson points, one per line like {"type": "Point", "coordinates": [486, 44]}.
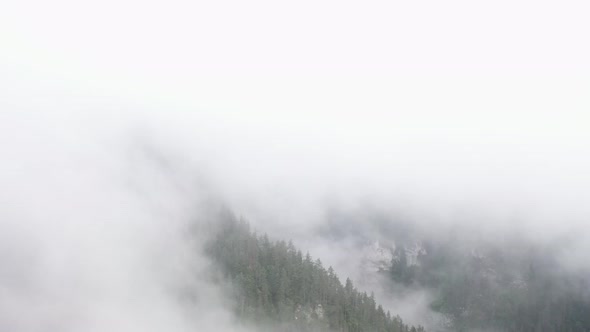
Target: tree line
{"type": "Point", "coordinates": [275, 284]}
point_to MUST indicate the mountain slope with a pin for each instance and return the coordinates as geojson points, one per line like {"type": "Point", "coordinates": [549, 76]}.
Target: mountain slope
{"type": "Point", "coordinates": [274, 283]}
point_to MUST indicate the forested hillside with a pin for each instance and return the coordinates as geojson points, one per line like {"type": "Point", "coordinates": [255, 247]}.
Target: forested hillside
{"type": "Point", "coordinates": [475, 282]}
{"type": "Point", "coordinates": [515, 289]}
{"type": "Point", "coordinates": [277, 286]}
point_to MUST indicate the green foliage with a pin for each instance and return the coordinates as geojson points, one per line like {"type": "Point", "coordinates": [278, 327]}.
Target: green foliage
{"type": "Point", "coordinates": [276, 283]}
{"type": "Point", "coordinates": [498, 290]}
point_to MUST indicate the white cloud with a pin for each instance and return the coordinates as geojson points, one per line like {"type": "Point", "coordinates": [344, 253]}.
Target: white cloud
{"type": "Point", "coordinates": [439, 108]}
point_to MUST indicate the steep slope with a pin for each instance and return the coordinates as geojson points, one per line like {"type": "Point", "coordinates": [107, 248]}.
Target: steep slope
{"type": "Point", "coordinates": [513, 286]}
{"type": "Point", "coordinates": [277, 286]}
{"type": "Point", "coordinates": [475, 281]}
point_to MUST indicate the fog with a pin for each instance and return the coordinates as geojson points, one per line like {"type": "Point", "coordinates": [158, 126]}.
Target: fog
{"type": "Point", "coordinates": [122, 124]}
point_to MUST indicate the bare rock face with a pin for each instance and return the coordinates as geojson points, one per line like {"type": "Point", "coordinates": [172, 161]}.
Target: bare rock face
{"type": "Point", "coordinates": [377, 257]}
{"type": "Point", "coordinates": [413, 253]}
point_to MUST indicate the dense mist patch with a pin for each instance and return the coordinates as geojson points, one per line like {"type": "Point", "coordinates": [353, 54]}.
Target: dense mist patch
{"type": "Point", "coordinates": [436, 153]}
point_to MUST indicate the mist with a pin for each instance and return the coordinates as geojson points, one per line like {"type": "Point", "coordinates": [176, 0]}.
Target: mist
{"type": "Point", "coordinates": [124, 125]}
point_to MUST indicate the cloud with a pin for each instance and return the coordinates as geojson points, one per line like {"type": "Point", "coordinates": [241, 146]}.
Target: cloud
{"type": "Point", "coordinates": [95, 238]}
{"type": "Point", "coordinates": [113, 114]}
